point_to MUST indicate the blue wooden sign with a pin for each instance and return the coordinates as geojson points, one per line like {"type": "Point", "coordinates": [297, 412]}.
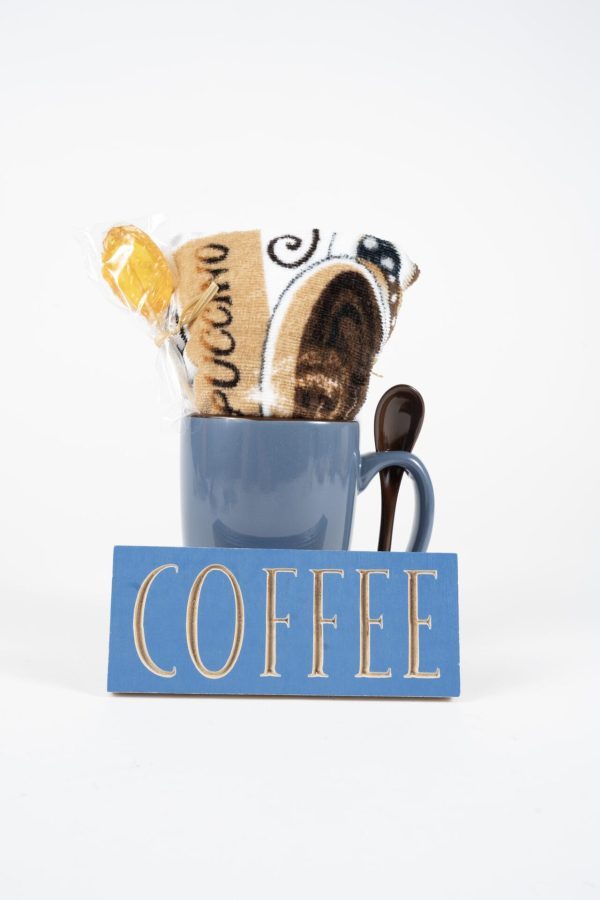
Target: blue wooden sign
{"type": "Point", "coordinates": [284, 622]}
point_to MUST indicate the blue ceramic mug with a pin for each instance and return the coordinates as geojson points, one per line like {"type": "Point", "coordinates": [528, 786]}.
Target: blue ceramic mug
{"type": "Point", "coordinates": [283, 483]}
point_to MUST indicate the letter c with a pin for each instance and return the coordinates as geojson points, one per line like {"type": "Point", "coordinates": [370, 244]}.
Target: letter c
{"type": "Point", "coordinates": [139, 636]}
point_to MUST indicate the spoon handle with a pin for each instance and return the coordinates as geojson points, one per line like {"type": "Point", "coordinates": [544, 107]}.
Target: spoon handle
{"type": "Point", "coordinates": [390, 485]}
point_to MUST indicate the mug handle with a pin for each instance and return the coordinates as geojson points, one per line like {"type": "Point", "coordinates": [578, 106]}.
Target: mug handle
{"type": "Point", "coordinates": [372, 463]}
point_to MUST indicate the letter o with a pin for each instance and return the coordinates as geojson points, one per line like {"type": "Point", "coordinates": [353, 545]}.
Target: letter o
{"type": "Point", "coordinates": [192, 622]}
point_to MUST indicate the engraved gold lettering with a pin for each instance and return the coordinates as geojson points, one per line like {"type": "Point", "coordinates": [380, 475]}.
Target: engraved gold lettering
{"type": "Point", "coordinates": [414, 623]}
{"type": "Point", "coordinates": [271, 622]}
{"type": "Point", "coordinates": [319, 621]}
{"type": "Point", "coordinates": [139, 635]}
{"type": "Point", "coordinates": [192, 622]}
{"type": "Point", "coordinates": [364, 669]}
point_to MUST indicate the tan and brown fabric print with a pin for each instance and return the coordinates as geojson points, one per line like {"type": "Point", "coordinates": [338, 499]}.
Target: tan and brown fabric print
{"type": "Point", "coordinates": [296, 322]}
{"type": "Point", "coordinates": [225, 343]}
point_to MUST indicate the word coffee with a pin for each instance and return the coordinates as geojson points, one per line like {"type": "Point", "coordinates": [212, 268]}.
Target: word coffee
{"type": "Point", "coordinates": [284, 622]}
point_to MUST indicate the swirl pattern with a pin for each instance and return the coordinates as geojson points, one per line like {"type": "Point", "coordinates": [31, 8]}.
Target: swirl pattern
{"type": "Point", "coordinates": [292, 243]}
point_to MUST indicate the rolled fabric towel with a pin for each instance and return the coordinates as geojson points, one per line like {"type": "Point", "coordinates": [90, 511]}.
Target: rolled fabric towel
{"type": "Point", "coordinates": [294, 325]}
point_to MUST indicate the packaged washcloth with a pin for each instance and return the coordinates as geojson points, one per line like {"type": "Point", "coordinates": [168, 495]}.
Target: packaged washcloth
{"type": "Point", "coordinates": [261, 324]}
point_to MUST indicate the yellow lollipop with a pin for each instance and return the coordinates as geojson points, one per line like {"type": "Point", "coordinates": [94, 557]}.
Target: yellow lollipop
{"type": "Point", "coordinates": [137, 271]}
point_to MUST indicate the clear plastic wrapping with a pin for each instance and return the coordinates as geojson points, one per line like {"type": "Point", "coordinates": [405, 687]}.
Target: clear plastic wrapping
{"type": "Point", "coordinates": [261, 324]}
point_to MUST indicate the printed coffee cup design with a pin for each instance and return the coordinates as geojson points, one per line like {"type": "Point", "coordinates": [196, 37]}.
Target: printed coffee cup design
{"type": "Point", "coordinates": [295, 323]}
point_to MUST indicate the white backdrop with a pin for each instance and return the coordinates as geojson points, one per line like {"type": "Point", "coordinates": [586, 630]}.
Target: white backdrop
{"type": "Point", "coordinates": [469, 133]}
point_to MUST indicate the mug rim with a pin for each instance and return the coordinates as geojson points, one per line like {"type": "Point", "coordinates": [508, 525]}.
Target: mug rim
{"type": "Point", "coordinates": [270, 420]}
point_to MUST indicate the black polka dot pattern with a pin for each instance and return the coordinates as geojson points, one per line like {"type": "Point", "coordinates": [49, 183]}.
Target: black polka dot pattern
{"type": "Point", "coordinates": [382, 254]}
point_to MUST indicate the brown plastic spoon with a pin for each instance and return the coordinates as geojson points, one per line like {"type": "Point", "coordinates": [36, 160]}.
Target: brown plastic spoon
{"type": "Point", "coordinates": [398, 420]}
